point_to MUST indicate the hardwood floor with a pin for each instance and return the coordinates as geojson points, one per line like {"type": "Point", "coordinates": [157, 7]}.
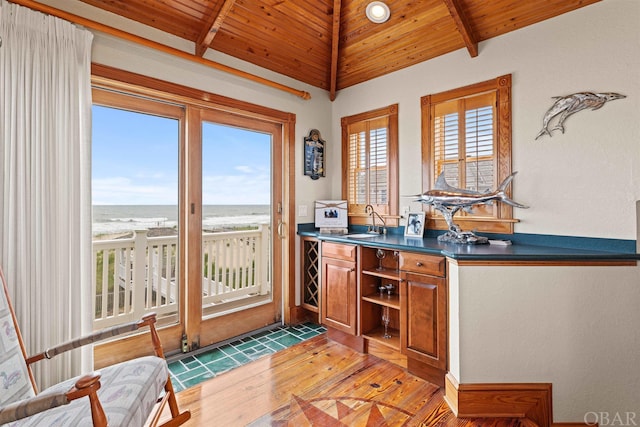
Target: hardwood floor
{"type": "Point", "coordinates": [322, 383]}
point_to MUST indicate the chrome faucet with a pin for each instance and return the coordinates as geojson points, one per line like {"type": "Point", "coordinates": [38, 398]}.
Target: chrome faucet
{"type": "Point", "coordinates": [373, 214]}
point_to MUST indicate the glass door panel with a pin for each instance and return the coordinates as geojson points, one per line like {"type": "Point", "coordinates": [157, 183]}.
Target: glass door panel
{"type": "Point", "coordinates": [236, 217]}
{"type": "Point", "coordinates": [135, 166]}
{"type": "Point", "coordinates": [241, 191]}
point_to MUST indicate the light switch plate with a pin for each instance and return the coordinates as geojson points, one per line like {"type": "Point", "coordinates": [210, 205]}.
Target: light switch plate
{"type": "Point", "coordinates": [302, 210]}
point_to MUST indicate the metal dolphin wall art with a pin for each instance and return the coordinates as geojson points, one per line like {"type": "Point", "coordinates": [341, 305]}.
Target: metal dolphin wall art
{"type": "Point", "coordinates": [564, 106]}
{"type": "Point", "coordinates": [449, 200]}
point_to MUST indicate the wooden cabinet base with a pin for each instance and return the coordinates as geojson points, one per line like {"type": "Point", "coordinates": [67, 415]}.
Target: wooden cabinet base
{"type": "Point", "coordinates": [426, 372]}
{"type": "Point", "coordinates": [387, 353]}
{"type": "Point", "coordinates": [355, 342]}
{"type": "Point", "coordinates": [302, 314]}
{"type": "Point", "coordinates": [519, 400]}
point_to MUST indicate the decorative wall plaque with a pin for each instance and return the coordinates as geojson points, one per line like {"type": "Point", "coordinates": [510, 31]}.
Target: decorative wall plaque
{"type": "Point", "coordinates": [314, 155]}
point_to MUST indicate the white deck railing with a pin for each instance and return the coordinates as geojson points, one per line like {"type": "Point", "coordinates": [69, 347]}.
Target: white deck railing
{"type": "Point", "coordinates": [140, 273]}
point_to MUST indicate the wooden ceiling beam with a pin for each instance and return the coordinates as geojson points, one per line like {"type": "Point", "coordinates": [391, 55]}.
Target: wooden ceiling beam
{"type": "Point", "coordinates": [212, 26]}
{"type": "Point", "coordinates": [464, 28]}
{"type": "Point", "coordinates": [31, 4]}
{"type": "Point", "coordinates": [335, 43]}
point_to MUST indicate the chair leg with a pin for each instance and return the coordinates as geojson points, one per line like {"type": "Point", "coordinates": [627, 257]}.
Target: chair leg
{"type": "Point", "coordinates": [158, 413]}
{"type": "Point", "coordinates": [177, 418]}
{"type": "Point", "coordinates": [97, 413]}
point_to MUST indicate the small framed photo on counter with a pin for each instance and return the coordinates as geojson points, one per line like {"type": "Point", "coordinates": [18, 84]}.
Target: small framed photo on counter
{"type": "Point", "coordinates": [415, 225]}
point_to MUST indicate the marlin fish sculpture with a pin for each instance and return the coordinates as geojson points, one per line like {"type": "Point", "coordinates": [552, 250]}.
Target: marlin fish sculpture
{"type": "Point", "coordinates": [444, 195]}
{"type": "Point", "coordinates": [570, 104]}
{"type": "Point", "coordinates": [449, 200]}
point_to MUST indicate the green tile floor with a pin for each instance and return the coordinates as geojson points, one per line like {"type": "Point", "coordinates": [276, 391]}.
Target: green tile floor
{"type": "Point", "coordinates": [189, 370]}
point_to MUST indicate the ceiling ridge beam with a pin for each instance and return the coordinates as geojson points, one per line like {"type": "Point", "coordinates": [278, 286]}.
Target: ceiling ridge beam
{"type": "Point", "coordinates": [213, 24]}
{"type": "Point", "coordinates": [157, 46]}
{"type": "Point", "coordinates": [464, 28]}
{"type": "Point", "coordinates": [335, 44]}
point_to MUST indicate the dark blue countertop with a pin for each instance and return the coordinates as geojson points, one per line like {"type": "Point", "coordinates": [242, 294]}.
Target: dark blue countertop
{"type": "Point", "coordinates": [515, 252]}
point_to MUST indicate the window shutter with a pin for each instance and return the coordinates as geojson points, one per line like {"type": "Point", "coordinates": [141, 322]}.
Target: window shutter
{"type": "Point", "coordinates": [378, 160]}
{"type": "Point", "coordinates": [368, 163]}
{"type": "Point", "coordinates": [464, 141]}
{"type": "Point", "coordinates": [357, 167]}
{"type": "Point", "coordinates": [447, 141]}
{"type": "Point", "coordinates": [479, 143]}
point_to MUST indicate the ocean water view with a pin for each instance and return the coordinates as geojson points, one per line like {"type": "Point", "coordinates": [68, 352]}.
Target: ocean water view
{"type": "Point", "coordinates": [116, 219]}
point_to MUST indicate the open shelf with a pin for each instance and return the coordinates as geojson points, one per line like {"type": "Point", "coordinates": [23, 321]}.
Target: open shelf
{"type": "Point", "coordinates": [373, 303]}
{"type": "Point", "coordinates": [377, 335]}
{"type": "Point", "coordinates": [386, 273]}
{"type": "Point", "coordinates": [392, 301]}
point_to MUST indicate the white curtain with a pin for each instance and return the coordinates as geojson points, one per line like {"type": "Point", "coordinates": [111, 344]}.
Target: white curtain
{"type": "Point", "coordinates": [45, 197]}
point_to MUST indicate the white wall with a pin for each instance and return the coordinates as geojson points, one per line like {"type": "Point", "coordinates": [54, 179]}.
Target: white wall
{"type": "Point", "coordinates": [575, 327]}
{"type": "Point", "coordinates": [582, 183]}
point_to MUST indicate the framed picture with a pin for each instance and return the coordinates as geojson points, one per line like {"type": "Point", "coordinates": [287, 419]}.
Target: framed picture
{"type": "Point", "coordinates": [331, 214]}
{"type": "Point", "coordinates": [415, 225]}
{"type": "Point", "coordinates": [314, 154]}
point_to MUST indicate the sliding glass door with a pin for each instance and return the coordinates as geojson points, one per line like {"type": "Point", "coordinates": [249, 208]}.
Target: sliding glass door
{"type": "Point", "coordinates": [188, 217]}
{"type": "Point", "coordinates": [240, 248]}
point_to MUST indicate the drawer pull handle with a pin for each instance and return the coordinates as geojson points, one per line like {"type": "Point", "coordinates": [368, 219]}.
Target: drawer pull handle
{"type": "Point", "coordinates": [419, 264]}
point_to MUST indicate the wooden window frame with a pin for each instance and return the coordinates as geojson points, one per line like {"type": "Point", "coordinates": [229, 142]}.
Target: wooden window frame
{"type": "Point", "coordinates": [389, 211]}
{"type": "Point", "coordinates": [502, 221]}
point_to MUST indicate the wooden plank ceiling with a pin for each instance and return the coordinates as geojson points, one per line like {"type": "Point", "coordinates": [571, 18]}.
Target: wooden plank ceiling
{"type": "Point", "coordinates": [330, 44]}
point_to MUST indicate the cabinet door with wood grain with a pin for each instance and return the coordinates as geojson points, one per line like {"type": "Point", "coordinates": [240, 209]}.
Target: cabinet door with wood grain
{"type": "Point", "coordinates": [339, 294]}
{"type": "Point", "coordinates": [424, 306]}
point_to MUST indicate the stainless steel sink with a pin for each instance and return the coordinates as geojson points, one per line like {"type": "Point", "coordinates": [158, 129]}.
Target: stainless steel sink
{"type": "Point", "coordinates": [362, 235]}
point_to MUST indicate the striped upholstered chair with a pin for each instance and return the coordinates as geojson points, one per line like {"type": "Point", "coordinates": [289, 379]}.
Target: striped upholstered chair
{"type": "Point", "coordinates": [125, 394]}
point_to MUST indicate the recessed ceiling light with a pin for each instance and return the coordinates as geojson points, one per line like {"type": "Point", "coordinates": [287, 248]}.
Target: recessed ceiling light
{"type": "Point", "coordinates": [378, 12]}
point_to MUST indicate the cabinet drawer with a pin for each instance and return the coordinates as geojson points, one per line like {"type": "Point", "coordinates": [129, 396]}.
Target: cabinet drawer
{"type": "Point", "coordinates": [421, 263]}
{"type": "Point", "coordinates": [339, 251]}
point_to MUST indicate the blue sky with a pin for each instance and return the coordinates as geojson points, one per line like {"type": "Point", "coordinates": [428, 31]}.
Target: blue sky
{"type": "Point", "coordinates": [135, 161]}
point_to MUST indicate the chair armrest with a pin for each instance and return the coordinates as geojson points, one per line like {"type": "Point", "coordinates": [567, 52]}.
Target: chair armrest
{"type": "Point", "coordinates": [85, 386]}
{"type": "Point", "coordinates": [27, 407]}
{"type": "Point", "coordinates": [147, 320]}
